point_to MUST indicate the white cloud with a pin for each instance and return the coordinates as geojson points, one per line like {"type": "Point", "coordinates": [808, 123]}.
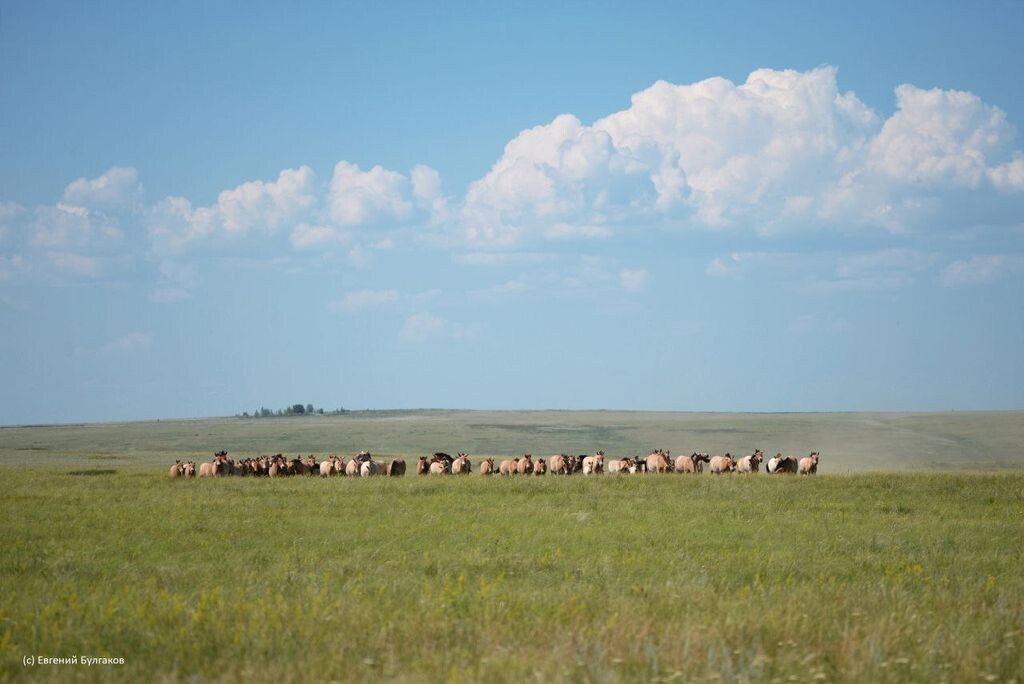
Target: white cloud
{"type": "Point", "coordinates": [634, 280]}
{"type": "Point", "coordinates": [426, 183]}
{"type": "Point", "coordinates": [977, 270]}
{"type": "Point", "coordinates": [259, 205]}
{"type": "Point", "coordinates": [88, 218]}
{"type": "Point", "coordinates": [68, 240]}
{"type": "Point", "coordinates": [563, 173]}
{"type": "Point", "coordinates": [363, 299]}
{"type": "Point", "coordinates": [941, 137]}
{"type": "Point", "coordinates": [357, 197]}
{"type": "Point", "coordinates": [295, 203]}
{"type": "Point", "coordinates": [426, 188]}
{"type": "Point", "coordinates": [1009, 175]}
{"type": "Point", "coordinates": [173, 225]}
{"type": "Point", "coordinates": [781, 151]}
{"type": "Point", "coordinates": [67, 225]}
{"type": "Point", "coordinates": [254, 206]}
{"type": "Point", "coordinates": [80, 233]}
{"type": "Point", "coordinates": [117, 188]}
{"type": "Point", "coordinates": [305, 236]}
{"type": "Point", "coordinates": [784, 150]}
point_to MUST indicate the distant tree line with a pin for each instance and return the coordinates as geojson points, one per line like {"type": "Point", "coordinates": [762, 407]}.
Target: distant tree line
{"type": "Point", "coordinates": [293, 410]}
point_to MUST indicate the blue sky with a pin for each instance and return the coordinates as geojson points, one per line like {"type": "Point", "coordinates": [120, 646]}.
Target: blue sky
{"type": "Point", "coordinates": [208, 207]}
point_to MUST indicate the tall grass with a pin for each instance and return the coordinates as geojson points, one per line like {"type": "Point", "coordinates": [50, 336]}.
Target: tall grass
{"type": "Point", "coordinates": [873, 578]}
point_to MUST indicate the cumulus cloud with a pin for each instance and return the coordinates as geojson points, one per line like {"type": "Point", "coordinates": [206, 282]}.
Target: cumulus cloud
{"type": "Point", "coordinates": [267, 205]}
{"type": "Point", "coordinates": [71, 235]}
{"type": "Point", "coordinates": [1008, 175]}
{"type": "Point", "coordinates": [358, 197]}
{"type": "Point", "coordinates": [75, 238]}
{"type": "Point", "coordinates": [784, 150]}
{"type": "Point", "coordinates": [781, 151]}
{"type": "Point", "coordinates": [72, 238]}
{"type": "Point", "coordinates": [255, 206]}
{"type": "Point", "coordinates": [943, 138]}
{"type": "Point", "coordinates": [382, 196]}
{"type": "Point", "coordinates": [362, 299]}
{"type": "Point", "coordinates": [305, 236]}
{"type": "Point", "coordinates": [313, 216]}
{"type": "Point", "coordinates": [173, 225]}
{"type": "Point", "coordinates": [67, 225]}
{"type": "Point", "coordinates": [117, 188]}
{"type": "Point", "coordinates": [426, 189]}
{"type": "Point", "coordinates": [563, 174]}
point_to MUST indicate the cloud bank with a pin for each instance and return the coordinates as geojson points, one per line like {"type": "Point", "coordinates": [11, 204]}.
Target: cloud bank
{"type": "Point", "coordinates": [783, 151]}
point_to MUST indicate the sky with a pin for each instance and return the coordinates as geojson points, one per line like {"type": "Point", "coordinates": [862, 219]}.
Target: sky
{"type": "Point", "coordinates": [210, 207]}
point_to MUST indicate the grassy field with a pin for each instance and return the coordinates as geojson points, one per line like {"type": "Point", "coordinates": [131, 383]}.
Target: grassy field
{"type": "Point", "coordinates": [848, 576]}
{"type": "Point", "coordinates": [848, 442]}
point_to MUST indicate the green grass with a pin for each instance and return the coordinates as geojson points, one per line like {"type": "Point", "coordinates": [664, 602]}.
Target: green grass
{"type": "Point", "coordinates": [870, 577]}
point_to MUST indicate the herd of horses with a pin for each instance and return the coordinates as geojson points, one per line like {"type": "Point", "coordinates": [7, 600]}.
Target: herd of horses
{"type": "Point", "coordinates": [364, 465]}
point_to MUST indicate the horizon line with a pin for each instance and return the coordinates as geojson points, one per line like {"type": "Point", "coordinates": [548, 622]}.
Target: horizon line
{"type": "Point", "coordinates": [182, 419]}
